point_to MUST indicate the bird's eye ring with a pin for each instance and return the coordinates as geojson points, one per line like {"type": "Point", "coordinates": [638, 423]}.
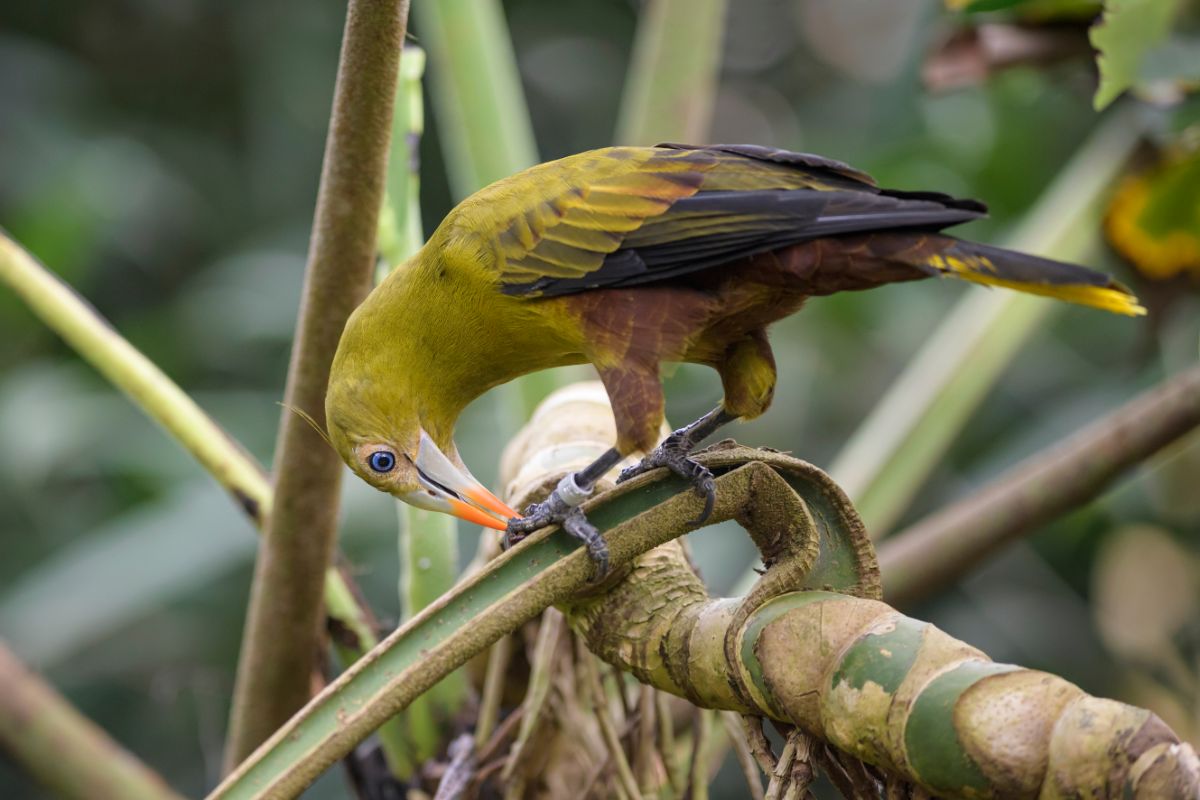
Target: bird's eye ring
{"type": "Point", "coordinates": [382, 461]}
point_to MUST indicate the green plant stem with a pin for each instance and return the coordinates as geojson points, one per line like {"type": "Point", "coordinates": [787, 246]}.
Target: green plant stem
{"type": "Point", "coordinates": [482, 117]}
{"type": "Point", "coordinates": [892, 452]}
{"type": "Point", "coordinates": [354, 634]}
{"type": "Point", "coordinates": [701, 752]}
{"type": "Point", "coordinates": [427, 542]}
{"type": "Point", "coordinates": [443, 637]}
{"type": "Point", "coordinates": [736, 739]}
{"type": "Point", "coordinates": [61, 748]}
{"type": "Point", "coordinates": [608, 727]}
{"type": "Point", "coordinates": [401, 233]}
{"type": "Point", "coordinates": [673, 74]}
{"type": "Point", "coordinates": [932, 553]}
{"type": "Point", "coordinates": [282, 627]}
{"type": "Point", "coordinates": [90, 335]}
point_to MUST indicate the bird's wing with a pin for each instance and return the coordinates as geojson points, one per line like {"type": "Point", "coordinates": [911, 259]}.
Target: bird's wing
{"type": "Point", "coordinates": [629, 216]}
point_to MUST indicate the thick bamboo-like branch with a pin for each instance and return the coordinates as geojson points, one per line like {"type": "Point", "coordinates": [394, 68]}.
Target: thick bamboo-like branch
{"type": "Point", "coordinates": [61, 748]}
{"type": "Point", "coordinates": [282, 628]}
{"type": "Point", "coordinates": [90, 335]}
{"type": "Point", "coordinates": [932, 553]}
{"type": "Point", "coordinates": [885, 688]}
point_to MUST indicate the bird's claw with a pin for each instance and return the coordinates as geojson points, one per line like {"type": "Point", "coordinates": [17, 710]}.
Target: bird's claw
{"type": "Point", "coordinates": [535, 516]}
{"type": "Point", "coordinates": [673, 454]}
{"type": "Point", "coordinates": [576, 523]}
{"type": "Point", "coordinates": [554, 511]}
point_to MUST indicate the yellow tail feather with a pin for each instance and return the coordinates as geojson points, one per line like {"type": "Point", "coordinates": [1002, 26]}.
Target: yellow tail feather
{"type": "Point", "coordinates": [979, 268]}
{"type": "Point", "coordinates": [1102, 297]}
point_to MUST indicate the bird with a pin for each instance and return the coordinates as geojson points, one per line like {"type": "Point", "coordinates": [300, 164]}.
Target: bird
{"type": "Point", "coordinates": [626, 257]}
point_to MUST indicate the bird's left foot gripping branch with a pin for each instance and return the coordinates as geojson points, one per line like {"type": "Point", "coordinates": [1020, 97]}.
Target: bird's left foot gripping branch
{"type": "Point", "coordinates": [624, 258]}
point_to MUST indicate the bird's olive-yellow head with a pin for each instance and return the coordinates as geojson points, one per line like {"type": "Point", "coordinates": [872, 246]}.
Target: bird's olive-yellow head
{"type": "Point", "coordinates": [374, 425]}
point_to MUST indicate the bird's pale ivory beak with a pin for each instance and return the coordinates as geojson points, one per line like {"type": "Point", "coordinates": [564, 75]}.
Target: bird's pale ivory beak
{"type": "Point", "coordinates": [450, 489]}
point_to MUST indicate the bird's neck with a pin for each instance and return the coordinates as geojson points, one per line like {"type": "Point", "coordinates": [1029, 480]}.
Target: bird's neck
{"type": "Point", "coordinates": [453, 338]}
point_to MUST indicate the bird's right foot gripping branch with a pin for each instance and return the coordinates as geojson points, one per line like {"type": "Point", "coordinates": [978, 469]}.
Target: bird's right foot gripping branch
{"type": "Point", "coordinates": [562, 506]}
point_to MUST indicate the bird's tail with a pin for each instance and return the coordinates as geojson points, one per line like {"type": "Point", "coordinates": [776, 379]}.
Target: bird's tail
{"type": "Point", "coordinates": [995, 266]}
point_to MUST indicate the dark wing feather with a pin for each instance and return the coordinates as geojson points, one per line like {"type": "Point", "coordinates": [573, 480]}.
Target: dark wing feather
{"type": "Point", "coordinates": [630, 216]}
{"type": "Point", "coordinates": [708, 229]}
{"type": "Point", "coordinates": [831, 170]}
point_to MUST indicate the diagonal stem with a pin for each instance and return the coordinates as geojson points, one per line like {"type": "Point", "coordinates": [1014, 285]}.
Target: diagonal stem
{"type": "Point", "coordinates": [125, 367]}
{"type": "Point", "coordinates": [61, 748]}
{"type": "Point", "coordinates": [147, 387]}
{"type": "Point", "coordinates": [937, 550]}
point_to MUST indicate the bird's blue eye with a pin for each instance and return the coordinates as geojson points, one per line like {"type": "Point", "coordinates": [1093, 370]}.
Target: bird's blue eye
{"type": "Point", "coordinates": [382, 461]}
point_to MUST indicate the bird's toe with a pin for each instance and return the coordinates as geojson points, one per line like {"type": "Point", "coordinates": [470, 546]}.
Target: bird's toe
{"type": "Point", "coordinates": [706, 486]}
{"type": "Point", "coordinates": [633, 472]}
{"type": "Point", "coordinates": [577, 524]}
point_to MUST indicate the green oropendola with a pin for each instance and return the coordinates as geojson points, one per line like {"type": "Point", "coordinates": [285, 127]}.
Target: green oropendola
{"type": "Point", "coordinates": [626, 257]}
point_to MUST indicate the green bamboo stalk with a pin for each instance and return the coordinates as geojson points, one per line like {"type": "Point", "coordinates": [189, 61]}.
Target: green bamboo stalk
{"type": "Point", "coordinates": [90, 335]}
{"type": "Point", "coordinates": [935, 551]}
{"type": "Point", "coordinates": [890, 455]}
{"type": "Point", "coordinates": [282, 632]}
{"type": "Point", "coordinates": [62, 749]}
{"type": "Point", "coordinates": [482, 117]}
{"type": "Point", "coordinates": [401, 232]}
{"type": "Point", "coordinates": [427, 542]}
{"type": "Point", "coordinates": [672, 83]}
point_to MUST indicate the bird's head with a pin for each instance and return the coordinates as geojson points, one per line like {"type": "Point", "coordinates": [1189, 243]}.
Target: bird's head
{"type": "Point", "coordinates": [373, 423]}
{"type": "Point", "coordinates": [414, 469]}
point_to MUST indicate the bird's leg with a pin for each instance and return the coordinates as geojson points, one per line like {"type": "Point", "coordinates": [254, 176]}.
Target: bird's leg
{"type": "Point", "coordinates": [674, 452]}
{"type": "Point", "coordinates": [562, 508]}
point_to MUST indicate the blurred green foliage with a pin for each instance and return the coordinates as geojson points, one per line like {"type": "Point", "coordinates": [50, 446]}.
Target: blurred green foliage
{"type": "Point", "coordinates": [1129, 32]}
{"type": "Point", "coordinates": [163, 158]}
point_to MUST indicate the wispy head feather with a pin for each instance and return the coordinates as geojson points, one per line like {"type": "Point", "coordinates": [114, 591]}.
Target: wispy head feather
{"type": "Point", "coordinates": [304, 415]}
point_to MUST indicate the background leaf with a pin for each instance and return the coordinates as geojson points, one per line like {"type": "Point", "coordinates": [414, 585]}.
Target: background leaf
{"type": "Point", "coordinates": [1129, 30]}
{"type": "Point", "coordinates": [1154, 218]}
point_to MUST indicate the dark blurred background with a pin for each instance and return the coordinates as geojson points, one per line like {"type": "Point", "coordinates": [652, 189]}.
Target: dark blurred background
{"type": "Point", "coordinates": [163, 158]}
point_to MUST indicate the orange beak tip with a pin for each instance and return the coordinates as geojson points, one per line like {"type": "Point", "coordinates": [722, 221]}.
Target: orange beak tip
{"type": "Point", "coordinates": [472, 514]}
{"type": "Point", "coordinates": [486, 499]}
